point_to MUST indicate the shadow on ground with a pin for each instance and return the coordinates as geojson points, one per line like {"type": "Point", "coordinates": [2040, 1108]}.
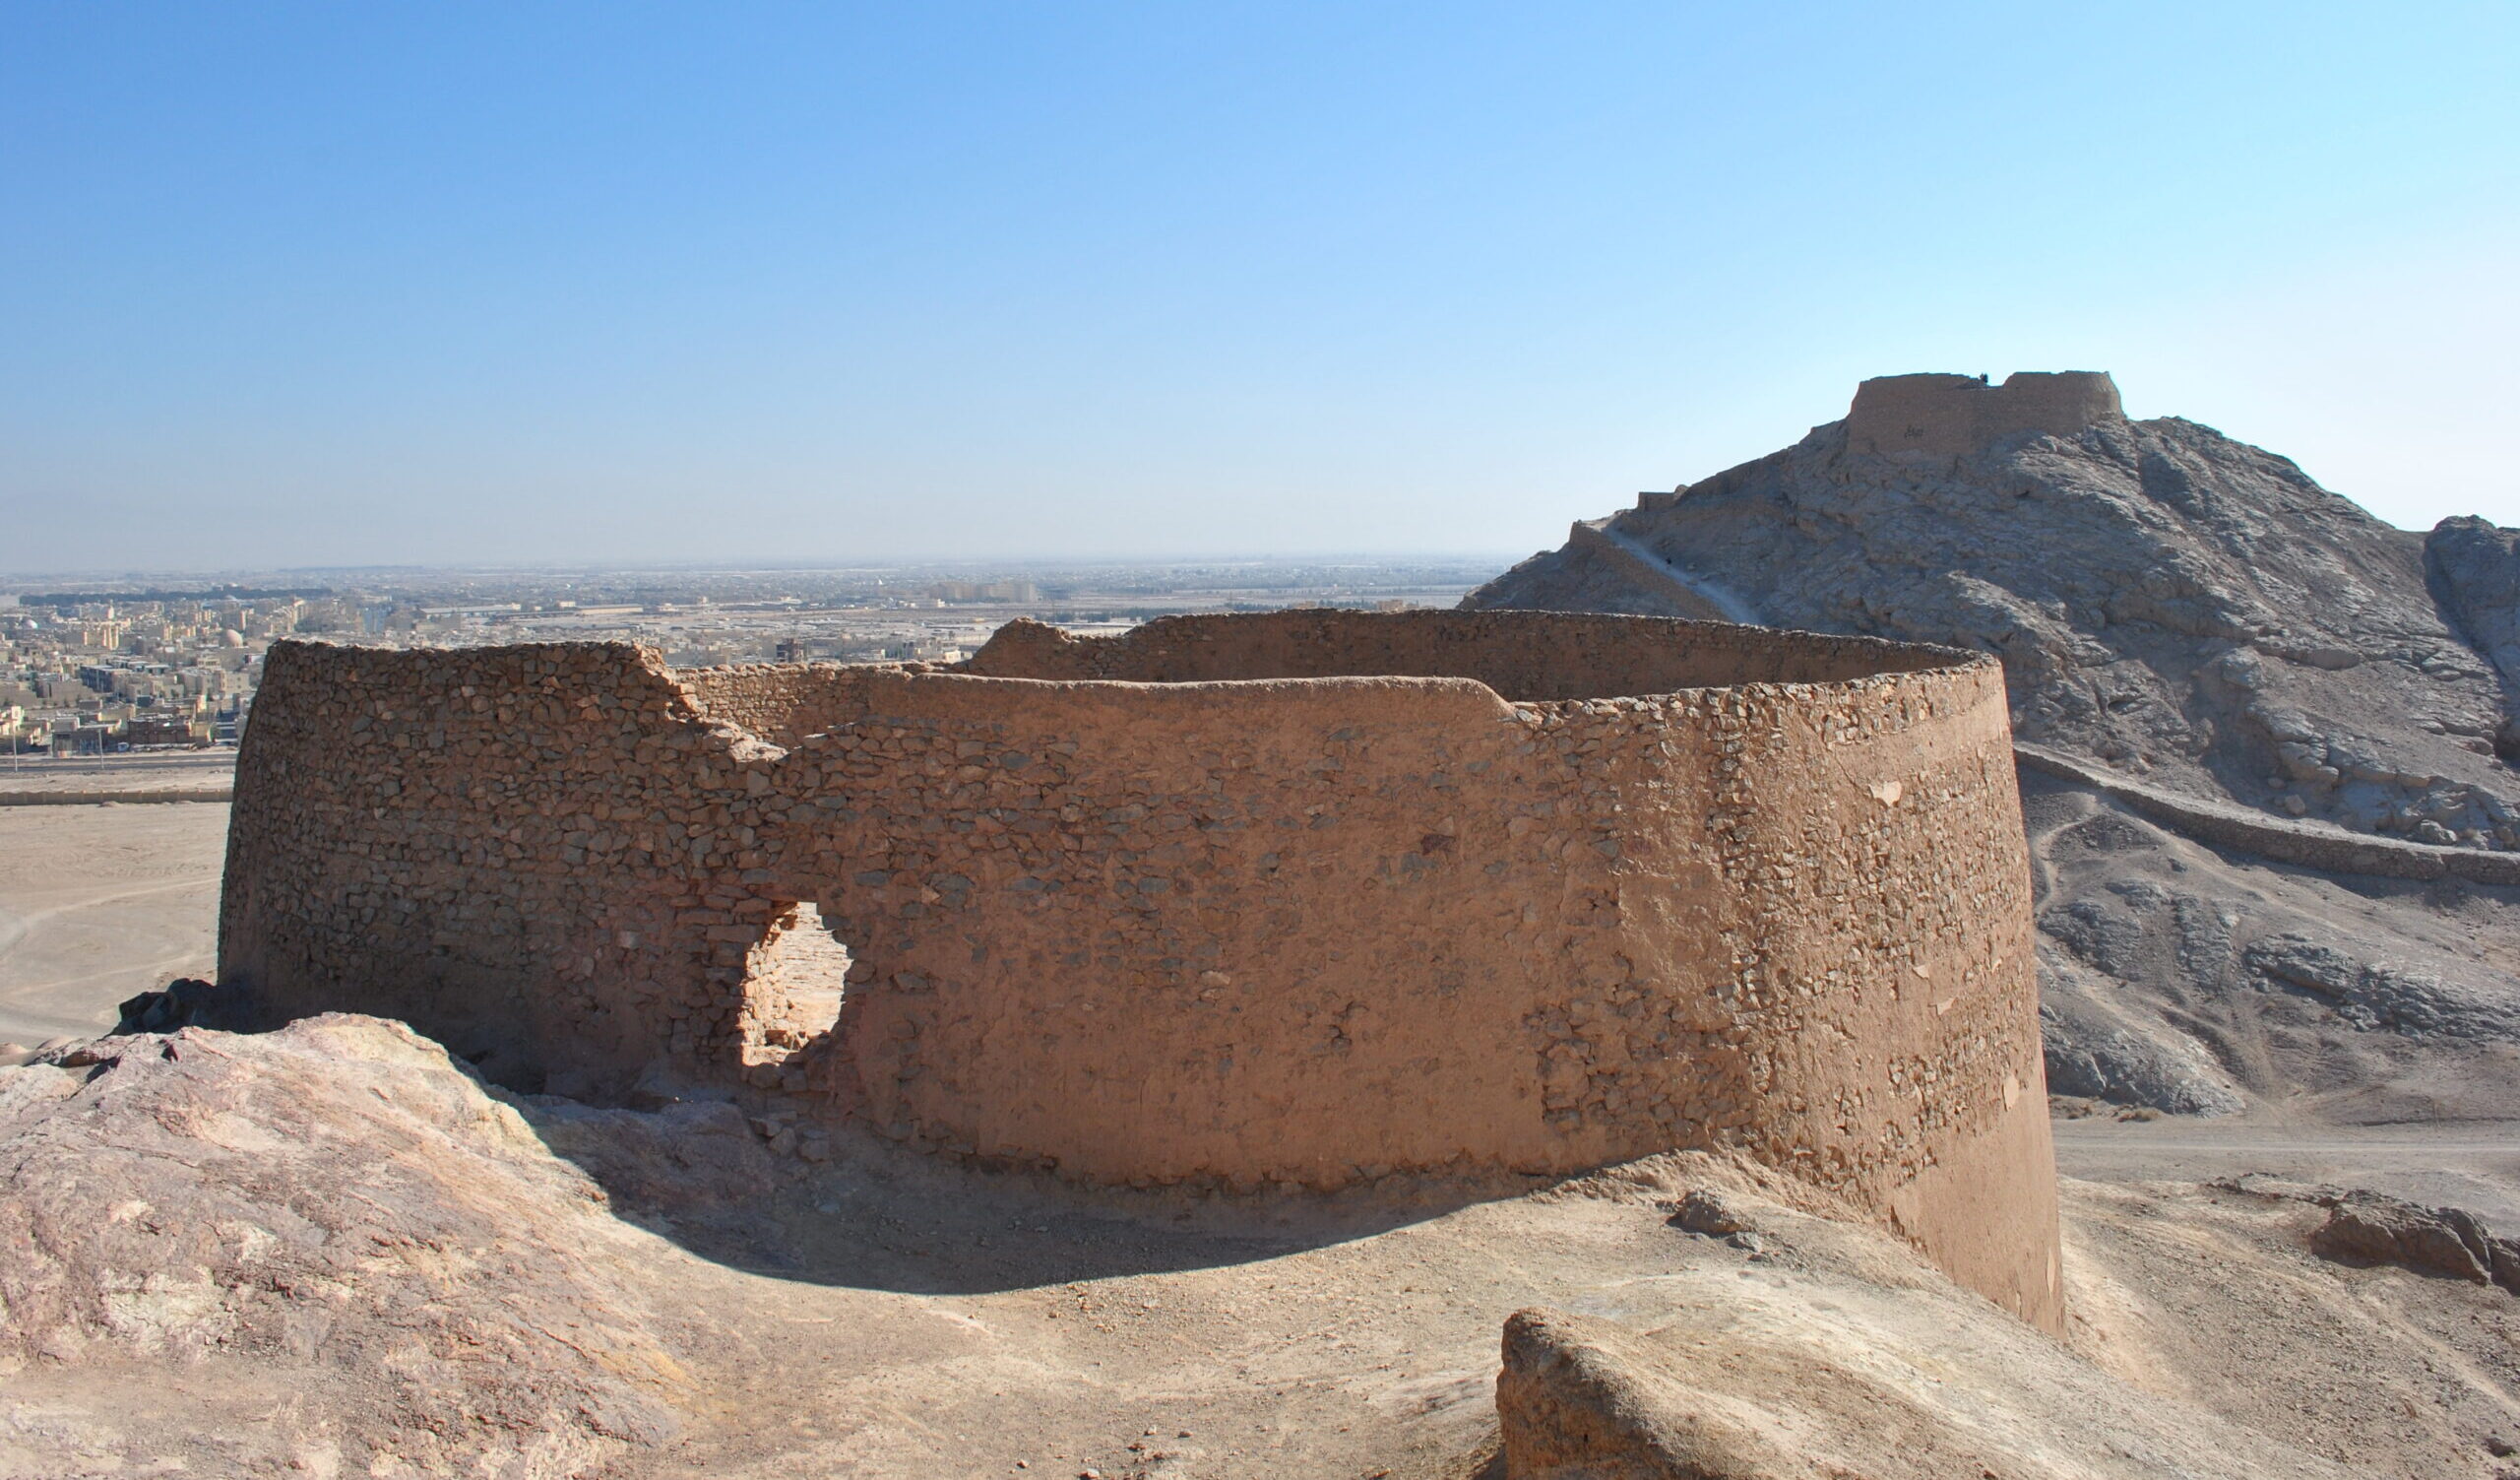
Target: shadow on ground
{"type": "Point", "coordinates": [877, 1217]}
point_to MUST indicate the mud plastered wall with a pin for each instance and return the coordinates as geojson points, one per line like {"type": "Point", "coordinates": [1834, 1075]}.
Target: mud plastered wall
{"type": "Point", "coordinates": [1947, 416]}
{"type": "Point", "coordinates": [1304, 897]}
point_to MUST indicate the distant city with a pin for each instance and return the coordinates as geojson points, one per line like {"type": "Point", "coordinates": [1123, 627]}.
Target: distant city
{"type": "Point", "coordinates": [96, 667]}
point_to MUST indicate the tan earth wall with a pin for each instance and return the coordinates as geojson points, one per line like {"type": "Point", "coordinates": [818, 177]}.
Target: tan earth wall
{"type": "Point", "coordinates": [1304, 898]}
{"type": "Point", "coordinates": [1945, 415]}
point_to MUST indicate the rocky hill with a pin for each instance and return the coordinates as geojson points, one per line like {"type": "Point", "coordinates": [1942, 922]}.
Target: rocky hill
{"type": "Point", "coordinates": [2189, 614]}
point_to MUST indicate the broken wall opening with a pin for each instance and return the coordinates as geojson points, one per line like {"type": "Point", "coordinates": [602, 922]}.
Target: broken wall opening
{"type": "Point", "coordinates": [794, 979]}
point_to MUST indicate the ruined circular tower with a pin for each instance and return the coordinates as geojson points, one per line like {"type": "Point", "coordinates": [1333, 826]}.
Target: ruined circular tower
{"type": "Point", "coordinates": [1305, 897]}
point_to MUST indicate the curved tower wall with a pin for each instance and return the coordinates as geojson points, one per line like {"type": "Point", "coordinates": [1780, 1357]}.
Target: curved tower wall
{"type": "Point", "coordinates": [1309, 897]}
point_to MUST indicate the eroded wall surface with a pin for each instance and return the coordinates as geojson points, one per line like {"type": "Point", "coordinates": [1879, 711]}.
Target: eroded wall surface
{"type": "Point", "coordinates": [1946, 415]}
{"type": "Point", "coordinates": [1299, 898]}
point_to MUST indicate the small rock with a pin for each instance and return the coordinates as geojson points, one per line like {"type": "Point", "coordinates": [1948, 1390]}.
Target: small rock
{"type": "Point", "coordinates": [2263, 1185]}
{"type": "Point", "coordinates": [1704, 1211]}
{"type": "Point", "coordinates": [186, 999]}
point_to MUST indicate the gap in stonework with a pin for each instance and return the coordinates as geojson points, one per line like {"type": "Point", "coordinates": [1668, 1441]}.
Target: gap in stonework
{"type": "Point", "coordinates": [792, 983]}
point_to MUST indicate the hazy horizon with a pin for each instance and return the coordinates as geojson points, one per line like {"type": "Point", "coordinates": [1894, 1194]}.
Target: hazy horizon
{"type": "Point", "coordinates": [625, 285]}
{"type": "Point", "coordinates": [211, 577]}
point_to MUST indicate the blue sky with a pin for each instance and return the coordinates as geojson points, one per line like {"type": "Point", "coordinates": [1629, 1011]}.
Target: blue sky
{"type": "Point", "coordinates": [527, 282]}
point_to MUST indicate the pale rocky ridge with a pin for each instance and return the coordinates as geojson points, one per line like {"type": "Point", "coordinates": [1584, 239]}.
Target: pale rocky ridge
{"type": "Point", "coordinates": [2197, 616]}
{"type": "Point", "coordinates": [288, 1229]}
{"type": "Point", "coordinates": [330, 1250]}
{"type": "Point", "coordinates": [2475, 570]}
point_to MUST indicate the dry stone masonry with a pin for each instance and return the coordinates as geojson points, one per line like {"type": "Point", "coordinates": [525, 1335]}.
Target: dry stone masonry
{"type": "Point", "coordinates": [1304, 898]}
{"type": "Point", "coordinates": [1948, 415]}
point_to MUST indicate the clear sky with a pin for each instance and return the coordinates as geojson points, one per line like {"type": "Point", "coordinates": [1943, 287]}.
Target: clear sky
{"type": "Point", "coordinates": [421, 283]}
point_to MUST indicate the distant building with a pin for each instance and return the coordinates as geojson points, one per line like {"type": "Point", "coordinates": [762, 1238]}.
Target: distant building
{"type": "Point", "coordinates": [960, 591]}
{"type": "Point", "coordinates": [165, 730]}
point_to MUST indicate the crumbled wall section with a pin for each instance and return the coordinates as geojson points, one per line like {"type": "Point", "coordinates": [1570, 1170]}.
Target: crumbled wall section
{"type": "Point", "coordinates": [1304, 897]}
{"type": "Point", "coordinates": [1948, 415]}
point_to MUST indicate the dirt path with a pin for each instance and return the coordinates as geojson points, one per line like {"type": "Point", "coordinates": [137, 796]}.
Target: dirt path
{"type": "Point", "coordinates": [2469, 1164]}
{"type": "Point", "coordinates": [100, 902]}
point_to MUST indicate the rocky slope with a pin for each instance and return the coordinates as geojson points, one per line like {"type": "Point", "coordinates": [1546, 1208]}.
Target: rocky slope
{"type": "Point", "coordinates": [315, 1248]}
{"type": "Point", "coordinates": [329, 1250]}
{"type": "Point", "coordinates": [2172, 606]}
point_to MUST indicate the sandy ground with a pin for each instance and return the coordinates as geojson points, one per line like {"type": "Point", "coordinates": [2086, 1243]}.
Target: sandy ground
{"type": "Point", "coordinates": [998, 1330]}
{"type": "Point", "coordinates": [168, 770]}
{"type": "Point", "coordinates": [98, 902]}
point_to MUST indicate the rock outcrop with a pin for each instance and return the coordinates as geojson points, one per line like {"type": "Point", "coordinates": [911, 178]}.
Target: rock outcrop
{"type": "Point", "coordinates": [1826, 1352]}
{"type": "Point", "coordinates": [2445, 1241]}
{"type": "Point", "coordinates": [2191, 628]}
{"type": "Point", "coordinates": [330, 1250]}
{"type": "Point", "coordinates": [2475, 570]}
{"type": "Point", "coordinates": [2167, 600]}
{"type": "Point", "coordinates": [324, 1250]}
{"type": "Point", "coordinates": [1812, 1397]}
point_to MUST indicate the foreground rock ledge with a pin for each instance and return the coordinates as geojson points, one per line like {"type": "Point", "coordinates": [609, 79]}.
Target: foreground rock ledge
{"type": "Point", "coordinates": [329, 1250]}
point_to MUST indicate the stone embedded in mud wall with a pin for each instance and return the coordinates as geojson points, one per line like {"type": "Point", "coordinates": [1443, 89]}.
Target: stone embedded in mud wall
{"type": "Point", "coordinates": [1306, 897]}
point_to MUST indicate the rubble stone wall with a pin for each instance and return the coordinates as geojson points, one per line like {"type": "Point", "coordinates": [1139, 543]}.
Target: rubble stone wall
{"type": "Point", "coordinates": [1301, 898]}
{"type": "Point", "coordinates": [1944, 415]}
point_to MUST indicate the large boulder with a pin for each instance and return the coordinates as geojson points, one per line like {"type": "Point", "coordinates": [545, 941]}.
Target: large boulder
{"type": "Point", "coordinates": [326, 1248]}
{"type": "Point", "coordinates": [1782, 1343]}
{"type": "Point", "coordinates": [2475, 570]}
{"type": "Point", "coordinates": [1820, 1391]}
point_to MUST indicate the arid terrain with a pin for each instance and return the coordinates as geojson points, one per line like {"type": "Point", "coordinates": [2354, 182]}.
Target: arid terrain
{"type": "Point", "coordinates": [328, 1252]}
{"type": "Point", "coordinates": [99, 901]}
{"type": "Point", "coordinates": [2182, 615]}
{"type": "Point", "coordinates": [2267, 787]}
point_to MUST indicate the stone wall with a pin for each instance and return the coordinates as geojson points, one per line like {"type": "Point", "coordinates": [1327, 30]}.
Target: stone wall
{"type": "Point", "coordinates": [1946, 415]}
{"type": "Point", "coordinates": [1301, 898]}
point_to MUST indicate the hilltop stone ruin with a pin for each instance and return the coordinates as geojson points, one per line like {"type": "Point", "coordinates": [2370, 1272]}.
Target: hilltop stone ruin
{"type": "Point", "coordinates": [2216, 665]}
{"type": "Point", "coordinates": [1304, 898]}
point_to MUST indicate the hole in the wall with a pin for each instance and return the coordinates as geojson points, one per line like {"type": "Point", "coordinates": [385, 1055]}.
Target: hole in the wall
{"type": "Point", "coordinates": [793, 981]}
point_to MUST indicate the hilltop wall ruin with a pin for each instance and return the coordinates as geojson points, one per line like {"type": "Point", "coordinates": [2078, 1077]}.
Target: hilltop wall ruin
{"type": "Point", "coordinates": [1304, 898]}
{"type": "Point", "coordinates": [1945, 415]}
